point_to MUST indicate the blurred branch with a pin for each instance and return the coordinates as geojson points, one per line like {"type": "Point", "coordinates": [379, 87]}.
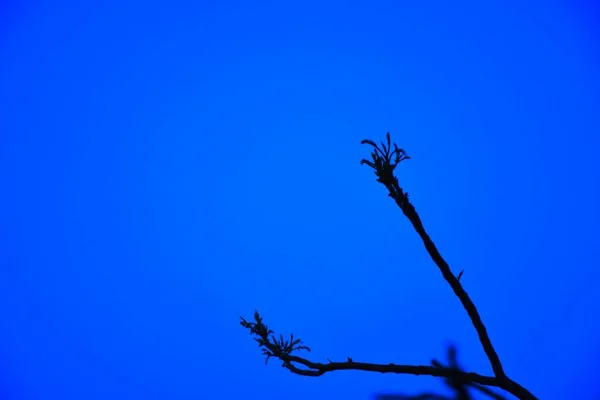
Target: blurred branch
{"type": "Point", "coordinates": [384, 161]}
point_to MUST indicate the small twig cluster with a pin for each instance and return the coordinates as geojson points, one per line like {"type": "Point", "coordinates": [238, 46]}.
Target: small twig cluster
{"type": "Point", "coordinates": [271, 346]}
{"type": "Point", "coordinates": [385, 160]}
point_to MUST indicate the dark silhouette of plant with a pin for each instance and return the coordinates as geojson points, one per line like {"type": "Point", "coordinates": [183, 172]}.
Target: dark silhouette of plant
{"type": "Point", "coordinates": [460, 387]}
{"type": "Point", "coordinates": [384, 161]}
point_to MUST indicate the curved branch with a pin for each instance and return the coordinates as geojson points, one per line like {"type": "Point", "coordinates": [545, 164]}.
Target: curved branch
{"type": "Point", "coordinates": [282, 349]}
{"type": "Point", "coordinates": [318, 369]}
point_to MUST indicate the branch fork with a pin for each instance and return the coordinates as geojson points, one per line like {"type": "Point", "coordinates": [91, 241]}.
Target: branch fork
{"type": "Point", "coordinates": [384, 161]}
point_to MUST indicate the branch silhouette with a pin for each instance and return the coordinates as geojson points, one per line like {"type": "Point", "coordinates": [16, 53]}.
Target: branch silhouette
{"type": "Point", "coordinates": [384, 161]}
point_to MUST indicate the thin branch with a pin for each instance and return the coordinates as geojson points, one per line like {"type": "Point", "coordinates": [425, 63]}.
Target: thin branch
{"type": "Point", "coordinates": [384, 165]}
{"type": "Point", "coordinates": [386, 177]}
{"type": "Point", "coordinates": [384, 162]}
{"type": "Point", "coordinates": [282, 349]}
{"type": "Point", "coordinates": [454, 283]}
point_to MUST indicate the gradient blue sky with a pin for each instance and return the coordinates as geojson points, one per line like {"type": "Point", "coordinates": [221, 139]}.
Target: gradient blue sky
{"type": "Point", "coordinates": [168, 167]}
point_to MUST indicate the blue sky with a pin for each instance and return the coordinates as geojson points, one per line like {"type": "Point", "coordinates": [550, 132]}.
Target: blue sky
{"type": "Point", "coordinates": [168, 167]}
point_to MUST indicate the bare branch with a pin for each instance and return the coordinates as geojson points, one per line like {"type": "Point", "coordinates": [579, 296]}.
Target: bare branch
{"type": "Point", "coordinates": [396, 192]}
{"type": "Point", "coordinates": [384, 161]}
{"type": "Point", "coordinates": [272, 347]}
